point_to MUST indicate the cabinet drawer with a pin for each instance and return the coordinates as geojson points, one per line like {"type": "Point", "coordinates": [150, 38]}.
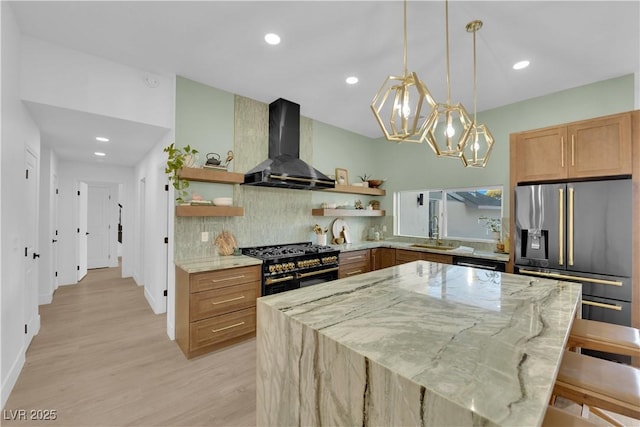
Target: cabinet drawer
{"type": "Point", "coordinates": [354, 257]}
{"type": "Point", "coordinates": [353, 269]}
{"type": "Point", "coordinates": [404, 256]}
{"type": "Point", "coordinates": [444, 259]}
{"type": "Point", "coordinates": [224, 300]}
{"type": "Point", "coordinates": [221, 328]}
{"type": "Point", "coordinates": [223, 278]}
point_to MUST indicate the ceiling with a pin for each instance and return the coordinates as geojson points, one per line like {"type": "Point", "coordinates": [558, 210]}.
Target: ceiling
{"type": "Point", "coordinates": [221, 44]}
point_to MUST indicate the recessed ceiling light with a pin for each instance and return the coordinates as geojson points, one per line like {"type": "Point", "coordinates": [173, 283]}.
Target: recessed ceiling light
{"type": "Point", "coordinates": [520, 65]}
{"type": "Point", "coordinates": [100, 154]}
{"type": "Point", "coordinates": [272, 38]}
{"type": "Point", "coordinates": [102, 139]}
{"type": "Point", "coordinates": [352, 80]}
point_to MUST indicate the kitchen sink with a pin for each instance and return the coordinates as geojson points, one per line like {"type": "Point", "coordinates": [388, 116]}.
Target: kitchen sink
{"type": "Point", "coordinates": [427, 246]}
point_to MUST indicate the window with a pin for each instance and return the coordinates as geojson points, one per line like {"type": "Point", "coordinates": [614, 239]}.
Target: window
{"type": "Point", "coordinates": [462, 214]}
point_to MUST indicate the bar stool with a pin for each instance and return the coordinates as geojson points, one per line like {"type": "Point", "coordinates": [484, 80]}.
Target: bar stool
{"type": "Point", "coordinates": [601, 336]}
{"type": "Point", "coordinates": [555, 417]}
{"type": "Point", "coordinates": [596, 383]}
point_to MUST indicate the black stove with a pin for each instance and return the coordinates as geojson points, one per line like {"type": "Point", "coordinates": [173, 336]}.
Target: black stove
{"type": "Point", "coordinates": [292, 266]}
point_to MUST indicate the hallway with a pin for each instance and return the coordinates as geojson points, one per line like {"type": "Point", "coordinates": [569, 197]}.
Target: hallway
{"type": "Point", "coordinates": [102, 358]}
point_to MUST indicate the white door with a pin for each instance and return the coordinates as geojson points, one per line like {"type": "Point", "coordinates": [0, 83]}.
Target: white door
{"type": "Point", "coordinates": [82, 229]}
{"type": "Point", "coordinates": [98, 227]}
{"type": "Point", "coordinates": [30, 252]}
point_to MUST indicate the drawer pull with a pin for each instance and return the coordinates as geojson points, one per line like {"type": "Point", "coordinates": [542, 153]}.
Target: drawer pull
{"type": "Point", "coordinates": [315, 273]}
{"type": "Point", "coordinates": [601, 305]}
{"type": "Point", "coordinates": [351, 273]}
{"type": "Point", "coordinates": [574, 278]}
{"type": "Point", "coordinates": [228, 300]}
{"type": "Point", "coordinates": [227, 278]}
{"type": "Point", "coordinates": [227, 327]}
{"type": "Point", "coordinates": [469, 264]}
{"type": "Point", "coordinates": [356, 257]}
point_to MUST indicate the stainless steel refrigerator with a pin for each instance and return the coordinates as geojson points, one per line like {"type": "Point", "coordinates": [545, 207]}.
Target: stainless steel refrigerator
{"type": "Point", "coordinates": [581, 232]}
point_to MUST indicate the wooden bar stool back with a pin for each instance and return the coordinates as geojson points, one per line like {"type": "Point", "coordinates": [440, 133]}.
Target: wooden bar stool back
{"type": "Point", "coordinates": [601, 336]}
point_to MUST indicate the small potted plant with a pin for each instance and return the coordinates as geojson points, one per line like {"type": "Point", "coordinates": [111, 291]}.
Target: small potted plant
{"type": "Point", "coordinates": [177, 158]}
{"type": "Point", "coordinates": [493, 225]}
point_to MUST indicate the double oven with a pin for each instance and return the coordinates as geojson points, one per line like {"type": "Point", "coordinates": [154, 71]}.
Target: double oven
{"type": "Point", "coordinates": [292, 266]}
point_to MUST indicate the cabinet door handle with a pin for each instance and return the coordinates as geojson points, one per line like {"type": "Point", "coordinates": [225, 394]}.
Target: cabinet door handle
{"type": "Point", "coordinates": [601, 305]}
{"type": "Point", "coordinates": [562, 151]}
{"type": "Point", "coordinates": [469, 264]}
{"type": "Point", "coordinates": [278, 280]}
{"type": "Point", "coordinates": [227, 327]}
{"type": "Point", "coordinates": [351, 273]}
{"type": "Point", "coordinates": [227, 278]}
{"type": "Point", "coordinates": [228, 300]}
{"type": "Point", "coordinates": [573, 149]}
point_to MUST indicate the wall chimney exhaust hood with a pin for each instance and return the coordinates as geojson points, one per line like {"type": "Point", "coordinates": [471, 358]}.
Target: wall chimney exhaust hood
{"type": "Point", "coordinates": [283, 168]}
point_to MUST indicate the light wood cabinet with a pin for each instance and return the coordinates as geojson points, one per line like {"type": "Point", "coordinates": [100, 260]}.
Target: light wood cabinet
{"type": "Point", "coordinates": [382, 258]}
{"type": "Point", "coordinates": [590, 148]}
{"type": "Point", "coordinates": [406, 255]}
{"type": "Point", "coordinates": [215, 308]}
{"type": "Point", "coordinates": [354, 262]}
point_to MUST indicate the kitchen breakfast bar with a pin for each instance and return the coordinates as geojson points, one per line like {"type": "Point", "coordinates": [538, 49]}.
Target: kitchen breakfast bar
{"type": "Point", "coordinates": [416, 344]}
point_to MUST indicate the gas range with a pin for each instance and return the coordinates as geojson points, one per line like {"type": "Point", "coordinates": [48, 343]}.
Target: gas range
{"type": "Point", "coordinates": [292, 266]}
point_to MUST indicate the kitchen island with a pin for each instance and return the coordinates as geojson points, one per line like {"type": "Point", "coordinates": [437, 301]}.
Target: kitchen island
{"type": "Point", "coordinates": [416, 344]}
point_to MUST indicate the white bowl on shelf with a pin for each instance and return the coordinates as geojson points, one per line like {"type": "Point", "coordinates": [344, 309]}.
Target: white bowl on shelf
{"type": "Point", "coordinates": [223, 201]}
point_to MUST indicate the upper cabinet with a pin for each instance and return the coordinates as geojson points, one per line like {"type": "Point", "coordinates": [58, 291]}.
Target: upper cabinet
{"type": "Point", "coordinates": [590, 148]}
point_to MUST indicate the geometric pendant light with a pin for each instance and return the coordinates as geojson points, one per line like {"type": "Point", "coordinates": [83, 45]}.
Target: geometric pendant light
{"type": "Point", "coordinates": [448, 126]}
{"type": "Point", "coordinates": [478, 149]}
{"type": "Point", "coordinates": [402, 103]}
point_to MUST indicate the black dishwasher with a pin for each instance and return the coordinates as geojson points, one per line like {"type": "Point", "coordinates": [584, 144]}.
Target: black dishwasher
{"type": "Point", "coordinates": [486, 264]}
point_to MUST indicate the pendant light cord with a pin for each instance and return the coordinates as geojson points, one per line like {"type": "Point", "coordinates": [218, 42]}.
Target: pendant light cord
{"type": "Point", "coordinates": [475, 79]}
{"type": "Point", "coordinates": [405, 39]}
{"type": "Point", "coordinates": [446, 29]}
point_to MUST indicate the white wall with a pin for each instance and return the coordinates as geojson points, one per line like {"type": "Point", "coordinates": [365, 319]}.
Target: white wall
{"type": "Point", "coordinates": [69, 175]}
{"type": "Point", "coordinates": [58, 76]}
{"type": "Point", "coordinates": [18, 134]}
{"type": "Point", "coordinates": [158, 208]}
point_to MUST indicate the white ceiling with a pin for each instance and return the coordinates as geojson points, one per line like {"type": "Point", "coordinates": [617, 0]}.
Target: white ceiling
{"type": "Point", "coordinates": [218, 43]}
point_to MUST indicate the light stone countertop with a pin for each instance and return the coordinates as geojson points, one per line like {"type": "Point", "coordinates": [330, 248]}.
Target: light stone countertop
{"type": "Point", "coordinates": [198, 265]}
{"type": "Point", "coordinates": [493, 256]}
{"type": "Point", "coordinates": [416, 344]}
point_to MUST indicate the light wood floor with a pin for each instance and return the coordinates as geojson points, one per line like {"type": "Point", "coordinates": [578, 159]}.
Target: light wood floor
{"type": "Point", "coordinates": [102, 358]}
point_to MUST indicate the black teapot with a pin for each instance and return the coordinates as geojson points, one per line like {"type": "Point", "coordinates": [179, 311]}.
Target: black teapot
{"type": "Point", "coordinates": [213, 159]}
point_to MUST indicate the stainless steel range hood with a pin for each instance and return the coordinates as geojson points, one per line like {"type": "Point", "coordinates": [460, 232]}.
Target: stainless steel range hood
{"type": "Point", "coordinates": [284, 168]}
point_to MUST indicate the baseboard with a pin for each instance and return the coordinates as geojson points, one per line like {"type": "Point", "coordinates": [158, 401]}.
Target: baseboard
{"type": "Point", "coordinates": [171, 332]}
{"type": "Point", "coordinates": [155, 305]}
{"type": "Point", "coordinates": [12, 377]}
{"type": "Point", "coordinates": [44, 299]}
{"type": "Point", "coordinates": [33, 328]}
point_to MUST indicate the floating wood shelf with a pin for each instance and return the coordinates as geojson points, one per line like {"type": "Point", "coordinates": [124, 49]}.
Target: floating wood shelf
{"type": "Point", "coordinates": [346, 212]}
{"type": "Point", "coordinates": [211, 175]}
{"type": "Point", "coordinates": [209, 211]}
{"type": "Point", "coordinates": [352, 189]}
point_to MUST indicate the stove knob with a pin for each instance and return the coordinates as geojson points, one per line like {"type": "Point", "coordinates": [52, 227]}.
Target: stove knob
{"type": "Point", "coordinates": [291, 266]}
{"type": "Point", "coordinates": [279, 267]}
{"type": "Point", "coordinates": [300, 264]}
{"type": "Point", "coordinates": [272, 268]}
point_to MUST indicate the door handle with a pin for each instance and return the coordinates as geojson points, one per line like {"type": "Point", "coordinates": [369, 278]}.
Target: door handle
{"type": "Point", "coordinates": [35, 255]}
{"type": "Point", "coordinates": [570, 227]}
{"type": "Point", "coordinates": [54, 241]}
{"type": "Point", "coordinates": [602, 305]}
{"type": "Point", "coordinates": [561, 226]}
{"type": "Point", "coordinates": [87, 233]}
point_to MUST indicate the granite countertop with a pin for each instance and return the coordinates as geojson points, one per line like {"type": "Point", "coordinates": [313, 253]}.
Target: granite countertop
{"type": "Point", "coordinates": [494, 256]}
{"type": "Point", "coordinates": [470, 346]}
{"type": "Point", "coordinates": [198, 265]}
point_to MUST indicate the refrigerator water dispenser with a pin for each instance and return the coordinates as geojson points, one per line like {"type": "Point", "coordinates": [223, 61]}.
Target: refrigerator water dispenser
{"type": "Point", "coordinates": [534, 244]}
